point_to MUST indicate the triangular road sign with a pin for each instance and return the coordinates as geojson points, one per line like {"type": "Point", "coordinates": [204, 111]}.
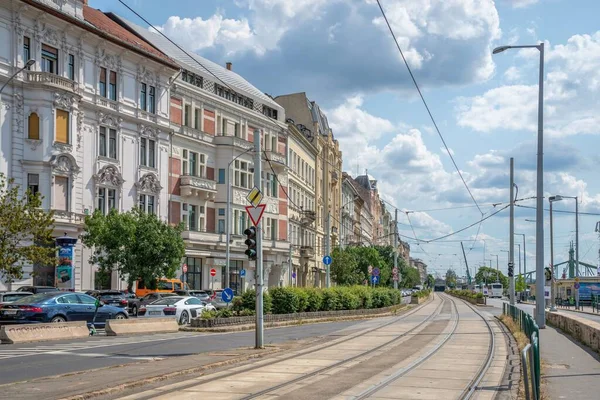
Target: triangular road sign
{"type": "Point", "coordinates": [256, 213]}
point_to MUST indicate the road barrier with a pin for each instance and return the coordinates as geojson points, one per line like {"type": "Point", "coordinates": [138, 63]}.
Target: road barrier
{"type": "Point", "coordinates": [10, 334]}
{"type": "Point", "coordinates": [581, 329]}
{"type": "Point", "coordinates": [527, 324]}
{"type": "Point", "coordinates": [117, 327]}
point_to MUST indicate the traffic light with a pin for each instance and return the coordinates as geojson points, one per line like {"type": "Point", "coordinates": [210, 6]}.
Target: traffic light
{"type": "Point", "coordinates": [251, 242]}
{"type": "Point", "coordinates": [511, 270]}
{"type": "Point", "coordinates": [548, 273]}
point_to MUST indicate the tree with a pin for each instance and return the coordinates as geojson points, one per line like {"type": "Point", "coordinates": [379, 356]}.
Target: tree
{"type": "Point", "coordinates": [430, 281]}
{"type": "Point", "coordinates": [25, 231]}
{"type": "Point", "coordinates": [520, 285]}
{"type": "Point", "coordinates": [137, 244]}
{"type": "Point", "coordinates": [490, 275]}
{"type": "Point", "coordinates": [450, 278]}
{"type": "Point", "coordinates": [344, 268]}
{"type": "Point", "coordinates": [410, 277]}
{"type": "Point", "coordinates": [366, 256]}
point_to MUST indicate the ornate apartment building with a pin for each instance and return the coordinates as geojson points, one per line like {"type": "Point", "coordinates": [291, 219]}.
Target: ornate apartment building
{"type": "Point", "coordinates": [214, 116]}
{"type": "Point", "coordinates": [308, 118]}
{"type": "Point", "coordinates": [87, 124]}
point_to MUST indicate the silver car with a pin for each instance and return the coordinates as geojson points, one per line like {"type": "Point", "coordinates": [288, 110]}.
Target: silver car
{"type": "Point", "coordinates": [9, 297]}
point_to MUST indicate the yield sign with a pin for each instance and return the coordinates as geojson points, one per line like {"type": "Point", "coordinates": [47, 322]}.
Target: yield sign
{"type": "Point", "coordinates": [256, 213]}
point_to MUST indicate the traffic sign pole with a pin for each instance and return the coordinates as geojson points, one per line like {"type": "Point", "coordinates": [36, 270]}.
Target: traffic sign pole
{"type": "Point", "coordinates": [259, 339]}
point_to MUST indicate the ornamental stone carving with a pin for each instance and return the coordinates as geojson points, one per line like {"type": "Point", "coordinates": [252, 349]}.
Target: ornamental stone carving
{"type": "Point", "coordinates": [104, 59]}
{"type": "Point", "coordinates": [146, 76]}
{"type": "Point", "coordinates": [109, 175]}
{"type": "Point", "coordinates": [111, 121]}
{"type": "Point", "coordinates": [19, 112]}
{"type": "Point", "coordinates": [149, 183]}
{"type": "Point", "coordinates": [33, 144]}
{"type": "Point", "coordinates": [48, 35]}
{"type": "Point", "coordinates": [64, 164]}
{"type": "Point", "coordinates": [148, 131]}
{"type": "Point", "coordinates": [272, 206]}
{"type": "Point", "coordinates": [239, 197]}
{"type": "Point", "coordinates": [64, 101]}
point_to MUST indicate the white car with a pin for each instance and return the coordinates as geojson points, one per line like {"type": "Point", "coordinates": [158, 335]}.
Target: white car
{"type": "Point", "coordinates": [183, 308]}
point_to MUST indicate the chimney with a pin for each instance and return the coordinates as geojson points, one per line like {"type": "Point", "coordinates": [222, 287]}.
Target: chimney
{"type": "Point", "coordinates": [228, 65]}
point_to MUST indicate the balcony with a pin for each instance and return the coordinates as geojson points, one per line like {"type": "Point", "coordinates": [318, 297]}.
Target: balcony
{"type": "Point", "coordinates": [233, 141]}
{"type": "Point", "coordinates": [194, 186]}
{"type": "Point", "coordinates": [277, 160]}
{"type": "Point", "coordinates": [308, 217]}
{"type": "Point", "coordinates": [110, 104]}
{"type": "Point", "coordinates": [51, 80]}
{"type": "Point", "coordinates": [307, 252]}
{"type": "Point", "coordinates": [195, 133]}
{"type": "Point", "coordinates": [204, 237]}
{"type": "Point", "coordinates": [68, 217]}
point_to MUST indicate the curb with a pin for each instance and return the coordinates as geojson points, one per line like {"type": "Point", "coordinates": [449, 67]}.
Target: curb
{"type": "Point", "coordinates": [246, 327]}
{"type": "Point", "coordinates": [162, 377]}
{"type": "Point", "coordinates": [513, 367]}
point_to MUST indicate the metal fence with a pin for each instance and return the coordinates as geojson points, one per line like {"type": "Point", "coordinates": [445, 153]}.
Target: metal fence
{"type": "Point", "coordinates": [530, 356]}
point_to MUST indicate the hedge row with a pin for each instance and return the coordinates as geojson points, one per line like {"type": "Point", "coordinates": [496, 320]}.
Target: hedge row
{"type": "Point", "coordinates": [466, 293]}
{"type": "Point", "coordinates": [288, 300]}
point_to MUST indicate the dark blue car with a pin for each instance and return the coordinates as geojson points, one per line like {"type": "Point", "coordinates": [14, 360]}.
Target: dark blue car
{"type": "Point", "coordinates": [58, 307]}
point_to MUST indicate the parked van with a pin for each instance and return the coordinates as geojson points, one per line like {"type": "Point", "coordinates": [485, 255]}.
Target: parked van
{"type": "Point", "coordinates": [162, 286]}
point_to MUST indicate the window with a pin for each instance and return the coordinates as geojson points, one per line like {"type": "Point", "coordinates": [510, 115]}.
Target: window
{"type": "Point", "coordinates": [221, 175]}
{"type": "Point", "coordinates": [243, 222]}
{"type": "Point", "coordinates": [221, 226]}
{"type": "Point", "coordinates": [103, 82]}
{"type": "Point", "coordinates": [146, 203]}
{"type": "Point", "coordinates": [221, 211]}
{"type": "Point", "coordinates": [33, 184]}
{"type": "Point", "coordinates": [193, 164]}
{"type": "Point", "coordinates": [242, 174]}
{"type": "Point", "coordinates": [62, 126]}
{"type": "Point", "coordinates": [33, 130]}
{"type": "Point", "coordinates": [49, 59]}
{"type": "Point", "coordinates": [270, 231]}
{"type": "Point", "coordinates": [147, 98]}
{"type": "Point", "coordinates": [26, 50]}
{"type": "Point", "coordinates": [143, 99]}
{"type": "Point", "coordinates": [197, 118]}
{"type": "Point", "coordinates": [186, 114]}
{"type": "Point", "coordinates": [61, 193]}
{"type": "Point", "coordinates": [108, 145]}
{"type": "Point", "coordinates": [147, 152]}
{"type": "Point", "coordinates": [71, 67]}
{"type": "Point", "coordinates": [192, 218]}
{"type": "Point", "coordinates": [106, 200]}
{"type": "Point", "coordinates": [112, 86]}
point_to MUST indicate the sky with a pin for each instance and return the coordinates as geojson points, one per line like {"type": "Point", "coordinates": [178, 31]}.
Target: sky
{"type": "Point", "coordinates": [341, 53]}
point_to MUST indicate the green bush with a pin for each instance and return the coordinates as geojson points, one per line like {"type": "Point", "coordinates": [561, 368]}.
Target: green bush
{"type": "Point", "coordinates": [365, 294]}
{"type": "Point", "coordinates": [249, 300]}
{"type": "Point", "coordinates": [237, 304]}
{"type": "Point", "coordinates": [381, 298]}
{"type": "Point", "coordinates": [348, 299]}
{"type": "Point", "coordinates": [314, 300]}
{"type": "Point", "coordinates": [267, 303]}
{"type": "Point", "coordinates": [331, 300]}
{"type": "Point", "coordinates": [207, 314]}
{"type": "Point", "coordinates": [396, 296]}
{"type": "Point", "coordinates": [285, 300]}
{"type": "Point", "coordinates": [224, 313]}
{"type": "Point", "coordinates": [302, 295]}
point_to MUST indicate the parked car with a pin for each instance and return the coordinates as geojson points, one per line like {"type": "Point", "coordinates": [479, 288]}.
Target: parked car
{"type": "Point", "coordinates": [9, 297]}
{"type": "Point", "coordinates": [180, 307]}
{"type": "Point", "coordinates": [135, 304]}
{"type": "Point", "coordinates": [111, 297]}
{"type": "Point", "coordinates": [59, 307]}
{"type": "Point", "coordinates": [201, 294]}
{"type": "Point", "coordinates": [218, 302]}
{"type": "Point", "coordinates": [38, 289]}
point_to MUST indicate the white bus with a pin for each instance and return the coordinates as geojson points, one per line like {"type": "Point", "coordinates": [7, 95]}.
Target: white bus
{"type": "Point", "coordinates": [496, 290]}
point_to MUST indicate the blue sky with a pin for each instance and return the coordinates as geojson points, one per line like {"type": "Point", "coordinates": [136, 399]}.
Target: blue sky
{"type": "Point", "coordinates": [341, 54]}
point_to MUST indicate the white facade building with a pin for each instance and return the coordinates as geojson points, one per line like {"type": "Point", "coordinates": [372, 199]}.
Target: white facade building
{"type": "Point", "coordinates": [88, 124]}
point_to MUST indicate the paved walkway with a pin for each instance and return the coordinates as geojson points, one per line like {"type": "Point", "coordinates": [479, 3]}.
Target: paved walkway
{"type": "Point", "coordinates": [569, 369]}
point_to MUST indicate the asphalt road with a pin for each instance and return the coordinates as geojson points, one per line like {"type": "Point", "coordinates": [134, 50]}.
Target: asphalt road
{"type": "Point", "coordinates": [28, 361]}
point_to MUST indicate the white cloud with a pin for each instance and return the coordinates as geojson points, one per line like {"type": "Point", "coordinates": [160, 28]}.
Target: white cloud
{"type": "Point", "coordinates": [512, 74]}
{"type": "Point", "coordinates": [522, 3]}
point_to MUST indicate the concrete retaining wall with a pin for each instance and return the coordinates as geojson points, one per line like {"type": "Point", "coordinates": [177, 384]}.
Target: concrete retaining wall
{"type": "Point", "coordinates": [116, 327]}
{"type": "Point", "coordinates": [10, 334]}
{"type": "Point", "coordinates": [419, 300]}
{"type": "Point", "coordinates": [582, 329]}
{"type": "Point", "coordinates": [268, 318]}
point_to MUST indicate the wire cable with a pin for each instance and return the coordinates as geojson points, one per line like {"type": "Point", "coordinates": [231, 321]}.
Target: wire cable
{"type": "Point", "coordinates": [427, 107]}
{"type": "Point", "coordinates": [561, 211]}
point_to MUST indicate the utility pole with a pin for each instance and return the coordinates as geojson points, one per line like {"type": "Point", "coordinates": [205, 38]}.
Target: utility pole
{"type": "Point", "coordinates": [328, 249]}
{"type": "Point", "coordinates": [259, 251]}
{"type": "Point", "coordinates": [511, 250]}
{"type": "Point", "coordinates": [466, 263]}
{"type": "Point", "coordinates": [552, 300]}
{"type": "Point", "coordinates": [396, 247]}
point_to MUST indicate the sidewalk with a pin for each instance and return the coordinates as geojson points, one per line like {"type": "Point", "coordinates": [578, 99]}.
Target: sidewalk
{"type": "Point", "coordinates": [570, 370]}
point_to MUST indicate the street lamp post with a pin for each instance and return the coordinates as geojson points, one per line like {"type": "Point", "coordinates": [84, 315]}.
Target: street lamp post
{"type": "Point", "coordinates": [28, 64]}
{"type": "Point", "coordinates": [539, 232]}
{"type": "Point", "coordinates": [552, 199]}
{"type": "Point", "coordinates": [524, 257]}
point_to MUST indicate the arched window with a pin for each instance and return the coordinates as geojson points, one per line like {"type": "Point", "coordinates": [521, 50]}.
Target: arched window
{"type": "Point", "coordinates": [34, 127]}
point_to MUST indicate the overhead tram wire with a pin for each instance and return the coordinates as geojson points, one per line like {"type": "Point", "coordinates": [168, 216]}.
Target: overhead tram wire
{"type": "Point", "coordinates": [427, 107]}
{"type": "Point", "coordinates": [561, 211]}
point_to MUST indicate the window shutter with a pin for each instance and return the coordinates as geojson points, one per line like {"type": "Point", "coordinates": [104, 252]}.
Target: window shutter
{"type": "Point", "coordinates": [34, 127]}
{"type": "Point", "coordinates": [62, 126]}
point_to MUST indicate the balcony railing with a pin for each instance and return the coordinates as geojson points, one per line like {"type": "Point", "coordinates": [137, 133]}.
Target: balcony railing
{"type": "Point", "coordinates": [197, 186]}
{"type": "Point", "coordinates": [68, 217]}
{"type": "Point", "coordinates": [276, 158]}
{"type": "Point", "coordinates": [50, 79]}
{"type": "Point", "coordinates": [104, 102]}
{"type": "Point", "coordinates": [307, 251]}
